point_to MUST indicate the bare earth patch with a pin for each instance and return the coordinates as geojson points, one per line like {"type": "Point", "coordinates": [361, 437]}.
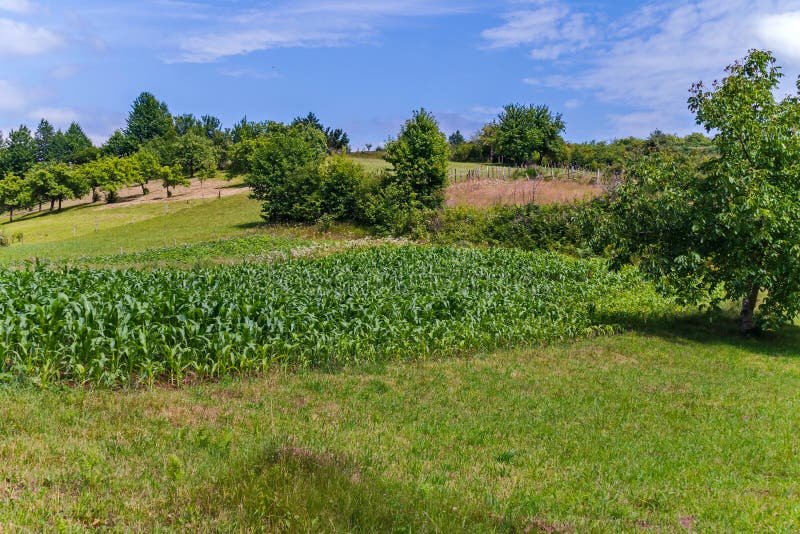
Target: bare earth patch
{"type": "Point", "coordinates": [196, 190]}
{"type": "Point", "coordinates": [487, 193]}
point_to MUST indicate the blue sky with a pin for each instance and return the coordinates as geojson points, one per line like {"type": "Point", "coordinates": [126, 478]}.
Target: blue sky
{"type": "Point", "coordinates": [613, 68]}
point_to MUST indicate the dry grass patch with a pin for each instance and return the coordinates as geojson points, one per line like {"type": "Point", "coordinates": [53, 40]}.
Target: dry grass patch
{"type": "Point", "coordinates": [489, 193]}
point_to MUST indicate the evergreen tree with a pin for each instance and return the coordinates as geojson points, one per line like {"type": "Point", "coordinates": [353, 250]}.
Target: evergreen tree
{"type": "Point", "coordinates": [148, 119]}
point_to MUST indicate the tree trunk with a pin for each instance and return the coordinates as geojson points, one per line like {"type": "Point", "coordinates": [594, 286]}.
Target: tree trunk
{"type": "Point", "coordinates": [59, 203]}
{"type": "Point", "coordinates": [747, 322]}
{"type": "Point", "coordinates": [52, 203]}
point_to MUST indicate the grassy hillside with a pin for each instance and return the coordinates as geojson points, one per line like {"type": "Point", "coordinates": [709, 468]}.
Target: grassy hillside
{"type": "Point", "coordinates": [686, 428]}
{"type": "Point", "coordinates": [131, 228]}
{"type": "Point", "coordinates": [677, 425]}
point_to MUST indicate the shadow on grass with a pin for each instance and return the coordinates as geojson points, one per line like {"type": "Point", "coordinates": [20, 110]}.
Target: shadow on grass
{"type": "Point", "coordinates": [252, 225]}
{"type": "Point", "coordinates": [36, 214]}
{"type": "Point", "coordinates": [708, 328]}
{"type": "Point", "coordinates": [284, 487]}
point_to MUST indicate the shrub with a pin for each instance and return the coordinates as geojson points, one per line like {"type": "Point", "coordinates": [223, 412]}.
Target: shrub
{"type": "Point", "coordinates": [285, 173]}
{"type": "Point", "coordinates": [419, 158]}
{"type": "Point", "coordinates": [341, 185]}
{"type": "Point", "coordinates": [564, 227]}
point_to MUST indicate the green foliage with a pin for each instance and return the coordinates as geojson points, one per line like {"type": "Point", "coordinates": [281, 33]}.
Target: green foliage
{"type": "Point", "coordinates": [285, 173]}
{"type": "Point", "coordinates": [15, 193]}
{"type": "Point", "coordinates": [195, 155]}
{"type": "Point", "coordinates": [528, 134]}
{"type": "Point", "coordinates": [456, 139]}
{"type": "Point", "coordinates": [119, 145]}
{"type": "Point", "coordinates": [55, 182]}
{"type": "Point", "coordinates": [567, 228]}
{"type": "Point", "coordinates": [419, 159]}
{"type": "Point", "coordinates": [44, 136]}
{"type": "Point", "coordinates": [19, 154]}
{"type": "Point", "coordinates": [341, 187]}
{"type": "Point", "coordinates": [148, 119]}
{"type": "Point", "coordinates": [733, 222]}
{"type": "Point", "coordinates": [171, 177]}
{"type": "Point", "coordinates": [121, 326]}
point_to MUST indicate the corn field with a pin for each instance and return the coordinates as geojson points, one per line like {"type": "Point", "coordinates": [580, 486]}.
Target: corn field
{"type": "Point", "coordinates": [125, 326]}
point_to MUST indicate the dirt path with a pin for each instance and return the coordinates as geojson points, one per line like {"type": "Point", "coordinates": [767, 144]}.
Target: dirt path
{"type": "Point", "coordinates": [208, 189]}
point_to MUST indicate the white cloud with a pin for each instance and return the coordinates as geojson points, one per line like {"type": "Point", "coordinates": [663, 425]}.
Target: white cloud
{"type": "Point", "coordinates": [16, 6]}
{"type": "Point", "coordinates": [781, 33]}
{"type": "Point", "coordinates": [12, 97]}
{"type": "Point", "coordinates": [255, 74]}
{"type": "Point", "coordinates": [58, 116]}
{"type": "Point", "coordinates": [648, 59]}
{"type": "Point", "coordinates": [305, 24]}
{"type": "Point", "coordinates": [20, 39]}
{"type": "Point", "coordinates": [554, 30]}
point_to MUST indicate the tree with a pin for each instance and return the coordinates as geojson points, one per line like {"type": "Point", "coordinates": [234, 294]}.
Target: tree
{"type": "Point", "coordinates": [527, 134]}
{"type": "Point", "coordinates": [456, 139]}
{"type": "Point", "coordinates": [148, 167]}
{"type": "Point", "coordinates": [341, 180]}
{"type": "Point", "coordinates": [44, 136]}
{"type": "Point", "coordinates": [118, 173]}
{"type": "Point", "coordinates": [14, 194]}
{"type": "Point", "coordinates": [148, 119]}
{"type": "Point", "coordinates": [309, 120]}
{"type": "Point", "coordinates": [187, 123]}
{"type": "Point", "coordinates": [728, 228]}
{"type": "Point", "coordinates": [196, 155]}
{"type": "Point", "coordinates": [419, 158]}
{"type": "Point", "coordinates": [94, 174]}
{"type": "Point", "coordinates": [20, 152]}
{"type": "Point", "coordinates": [56, 182]}
{"type": "Point", "coordinates": [119, 145]}
{"type": "Point", "coordinates": [337, 140]}
{"type": "Point", "coordinates": [285, 172]}
{"type": "Point", "coordinates": [171, 177]}
{"type": "Point", "coordinates": [75, 142]}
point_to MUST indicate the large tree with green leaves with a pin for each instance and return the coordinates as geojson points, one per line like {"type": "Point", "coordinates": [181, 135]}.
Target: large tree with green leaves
{"type": "Point", "coordinates": [14, 194]}
{"type": "Point", "coordinates": [148, 119]}
{"type": "Point", "coordinates": [419, 157]}
{"type": "Point", "coordinates": [20, 151]}
{"type": "Point", "coordinates": [528, 134]}
{"type": "Point", "coordinates": [196, 155]}
{"type": "Point", "coordinates": [285, 173]}
{"type": "Point", "coordinates": [728, 228]}
{"type": "Point", "coordinates": [45, 136]}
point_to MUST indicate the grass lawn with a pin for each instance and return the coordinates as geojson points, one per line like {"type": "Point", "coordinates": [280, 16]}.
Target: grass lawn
{"type": "Point", "coordinates": [151, 226]}
{"type": "Point", "coordinates": [375, 163]}
{"type": "Point", "coordinates": [664, 431]}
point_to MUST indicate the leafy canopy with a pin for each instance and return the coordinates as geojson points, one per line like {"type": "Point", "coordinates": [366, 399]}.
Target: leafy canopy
{"type": "Point", "coordinates": [728, 228]}
{"type": "Point", "coordinates": [419, 158]}
{"type": "Point", "coordinates": [526, 134]}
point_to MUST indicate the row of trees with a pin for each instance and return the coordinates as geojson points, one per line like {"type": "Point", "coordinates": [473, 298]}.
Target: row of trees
{"type": "Point", "coordinates": [49, 166]}
{"type": "Point", "coordinates": [523, 135]}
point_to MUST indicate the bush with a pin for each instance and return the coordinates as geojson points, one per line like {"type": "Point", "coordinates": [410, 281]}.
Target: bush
{"type": "Point", "coordinates": [341, 184]}
{"type": "Point", "coordinates": [419, 159]}
{"type": "Point", "coordinates": [563, 227]}
{"type": "Point", "coordinates": [286, 175]}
